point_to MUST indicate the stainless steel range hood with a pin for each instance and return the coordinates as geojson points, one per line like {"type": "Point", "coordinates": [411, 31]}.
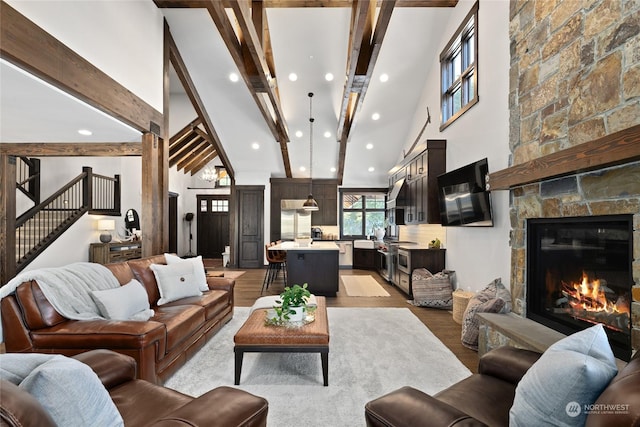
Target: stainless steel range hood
{"type": "Point", "coordinates": [397, 197]}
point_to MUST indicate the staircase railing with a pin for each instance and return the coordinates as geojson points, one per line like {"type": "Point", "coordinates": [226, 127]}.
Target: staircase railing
{"type": "Point", "coordinates": [28, 178]}
{"type": "Point", "coordinates": [41, 225]}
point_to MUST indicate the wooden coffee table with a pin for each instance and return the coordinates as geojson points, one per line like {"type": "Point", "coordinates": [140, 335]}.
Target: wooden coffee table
{"type": "Point", "coordinates": [255, 336]}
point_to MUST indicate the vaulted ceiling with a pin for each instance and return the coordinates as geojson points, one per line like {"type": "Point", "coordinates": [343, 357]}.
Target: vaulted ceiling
{"type": "Point", "coordinates": [264, 42]}
{"type": "Point", "coordinates": [259, 125]}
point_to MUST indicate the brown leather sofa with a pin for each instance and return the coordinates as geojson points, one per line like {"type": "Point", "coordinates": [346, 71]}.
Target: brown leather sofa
{"type": "Point", "coordinates": [159, 346]}
{"type": "Point", "coordinates": [141, 403]}
{"type": "Point", "coordinates": [484, 399]}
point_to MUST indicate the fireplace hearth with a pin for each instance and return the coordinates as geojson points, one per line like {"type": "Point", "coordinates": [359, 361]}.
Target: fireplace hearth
{"type": "Point", "coordinates": [580, 273]}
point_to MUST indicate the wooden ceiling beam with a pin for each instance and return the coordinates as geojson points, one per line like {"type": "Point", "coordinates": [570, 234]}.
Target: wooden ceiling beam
{"type": "Point", "coordinates": [185, 131]}
{"type": "Point", "coordinates": [64, 149]}
{"type": "Point", "coordinates": [308, 3]}
{"type": "Point", "coordinates": [185, 148]}
{"type": "Point", "coordinates": [193, 153]}
{"type": "Point", "coordinates": [183, 74]}
{"type": "Point", "coordinates": [201, 162]}
{"type": "Point", "coordinates": [366, 36]}
{"type": "Point", "coordinates": [246, 48]}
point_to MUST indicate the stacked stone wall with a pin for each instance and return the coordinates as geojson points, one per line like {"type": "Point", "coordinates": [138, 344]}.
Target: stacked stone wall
{"type": "Point", "coordinates": [574, 77]}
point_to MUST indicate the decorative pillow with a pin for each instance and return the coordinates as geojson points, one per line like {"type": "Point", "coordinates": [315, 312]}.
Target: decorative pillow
{"type": "Point", "coordinates": [68, 389]}
{"type": "Point", "coordinates": [558, 389]}
{"type": "Point", "coordinates": [432, 290]}
{"type": "Point", "coordinates": [494, 298]}
{"type": "Point", "coordinates": [198, 268]}
{"type": "Point", "coordinates": [123, 302]}
{"type": "Point", "coordinates": [175, 281]}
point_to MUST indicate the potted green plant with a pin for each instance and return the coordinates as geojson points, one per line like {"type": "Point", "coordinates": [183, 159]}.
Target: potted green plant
{"type": "Point", "coordinates": [292, 303]}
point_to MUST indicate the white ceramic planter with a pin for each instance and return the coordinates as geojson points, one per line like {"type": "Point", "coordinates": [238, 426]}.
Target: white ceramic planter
{"type": "Point", "coordinates": [296, 314]}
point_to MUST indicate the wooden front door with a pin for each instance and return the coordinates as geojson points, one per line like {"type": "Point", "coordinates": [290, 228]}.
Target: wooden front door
{"type": "Point", "coordinates": [250, 205]}
{"type": "Point", "coordinates": [213, 225]}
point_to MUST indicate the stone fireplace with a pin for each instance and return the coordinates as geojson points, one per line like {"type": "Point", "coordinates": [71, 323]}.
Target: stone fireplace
{"type": "Point", "coordinates": [579, 274]}
{"type": "Point", "coordinates": [573, 133]}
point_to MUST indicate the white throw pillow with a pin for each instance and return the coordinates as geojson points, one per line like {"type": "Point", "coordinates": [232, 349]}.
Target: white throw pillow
{"type": "Point", "coordinates": [123, 302]}
{"type": "Point", "coordinates": [68, 389]}
{"type": "Point", "coordinates": [567, 378]}
{"type": "Point", "coordinates": [175, 281]}
{"type": "Point", "coordinates": [198, 268]}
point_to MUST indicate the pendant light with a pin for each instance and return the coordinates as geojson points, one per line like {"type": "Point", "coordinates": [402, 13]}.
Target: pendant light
{"type": "Point", "coordinates": [310, 204]}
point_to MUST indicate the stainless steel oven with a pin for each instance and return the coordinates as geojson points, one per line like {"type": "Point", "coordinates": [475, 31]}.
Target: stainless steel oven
{"type": "Point", "coordinates": [386, 264]}
{"type": "Point", "coordinates": [404, 261]}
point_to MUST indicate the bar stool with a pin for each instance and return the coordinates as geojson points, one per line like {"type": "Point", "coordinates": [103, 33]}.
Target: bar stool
{"type": "Point", "coordinates": [277, 261]}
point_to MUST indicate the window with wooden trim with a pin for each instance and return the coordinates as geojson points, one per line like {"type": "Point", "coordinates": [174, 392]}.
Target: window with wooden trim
{"type": "Point", "coordinates": [459, 70]}
{"type": "Point", "coordinates": [361, 212]}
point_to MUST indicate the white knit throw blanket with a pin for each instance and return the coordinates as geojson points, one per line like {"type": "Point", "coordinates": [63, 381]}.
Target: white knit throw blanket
{"type": "Point", "coordinates": [68, 288]}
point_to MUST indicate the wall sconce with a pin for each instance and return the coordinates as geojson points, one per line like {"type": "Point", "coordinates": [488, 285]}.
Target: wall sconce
{"type": "Point", "coordinates": [106, 225]}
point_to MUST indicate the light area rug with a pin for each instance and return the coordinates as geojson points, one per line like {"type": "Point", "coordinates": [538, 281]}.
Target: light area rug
{"type": "Point", "coordinates": [363, 286]}
{"type": "Point", "coordinates": [372, 351]}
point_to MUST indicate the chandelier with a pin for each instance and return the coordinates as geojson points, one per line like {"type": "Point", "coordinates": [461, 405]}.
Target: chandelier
{"type": "Point", "coordinates": [209, 175]}
{"type": "Point", "coordinates": [310, 204]}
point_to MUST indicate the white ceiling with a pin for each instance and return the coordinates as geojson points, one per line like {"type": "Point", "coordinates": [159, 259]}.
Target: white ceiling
{"type": "Point", "coordinates": [308, 41]}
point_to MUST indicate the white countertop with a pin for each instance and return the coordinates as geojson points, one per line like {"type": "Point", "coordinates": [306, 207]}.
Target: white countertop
{"type": "Point", "coordinates": [315, 246]}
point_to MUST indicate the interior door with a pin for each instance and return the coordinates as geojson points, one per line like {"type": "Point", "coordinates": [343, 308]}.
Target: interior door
{"type": "Point", "coordinates": [250, 200]}
{"type": "Point", "coordinates": [213, 225]}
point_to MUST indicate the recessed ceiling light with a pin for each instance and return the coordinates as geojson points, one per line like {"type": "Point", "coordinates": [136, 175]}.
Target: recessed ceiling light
{"type": "Point", "coordinates": [333, 169]}
{"type": "Point", "coordinates": [371, 169]}
{"type": "Point", "coordinates": [327, 134]}
{"type": "Point", "coordinates": [384, 77]}
{"type": "Point", "coordinates": [375, 116]}
{"type": "Point", "coordinates": [255, 145]}
{"type": "Point", "coordinates": [85, 132]}
{"type": "Point", "coordinates": [369, 146]}
{"type": "Point", "coordinates": [328, 77]}
{"type": "Point", "coordinates": [234, 77]}
{"type": "Point", "coordinates": [293, 77]}
{"type": "Point", "coordinates": [302, 169]}
{"type": "Point", "coordinates": [299, 133]}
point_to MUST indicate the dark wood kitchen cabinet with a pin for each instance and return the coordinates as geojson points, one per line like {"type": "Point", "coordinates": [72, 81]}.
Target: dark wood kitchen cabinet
{"type": "Point", "coordinates": [325, 192]}
{"type": "Point", "coordinates": [422, 205]}
{"type": "Point", "coordinates": [365, 259]}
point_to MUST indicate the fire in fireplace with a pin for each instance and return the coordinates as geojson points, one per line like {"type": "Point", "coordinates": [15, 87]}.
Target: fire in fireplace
{"type": "Point", "coordinates": [579, 273]}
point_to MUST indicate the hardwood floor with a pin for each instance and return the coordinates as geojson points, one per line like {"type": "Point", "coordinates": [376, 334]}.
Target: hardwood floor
{"type": "Point", "coordinates": [440, 322]}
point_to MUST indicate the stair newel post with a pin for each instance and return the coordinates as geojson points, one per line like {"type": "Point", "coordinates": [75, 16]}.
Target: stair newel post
{"type": "Point", "coordinates": [87, 188]}
{"type": "Point", "coordinates": [116, 194]}
{"type": "Point", "coordinates": [34, 182]}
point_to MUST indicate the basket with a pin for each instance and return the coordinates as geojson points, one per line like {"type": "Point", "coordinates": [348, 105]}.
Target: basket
{"type": "Point", "coordinates": [460, 301]}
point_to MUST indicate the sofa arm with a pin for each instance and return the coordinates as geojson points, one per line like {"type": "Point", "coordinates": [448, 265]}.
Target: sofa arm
{"type": "Point", "coordinates": [112, 368]}
{"type": "Point", "coordinates": [507, 363]}
{"type": "Point", "coordinates": [408, 406]}
{"type": "Point", "coordinates": [20, 409]}
{"type": "Point", "coordinates": [222, 406]}
{"type": "Point", "coordinates": [221, 283]}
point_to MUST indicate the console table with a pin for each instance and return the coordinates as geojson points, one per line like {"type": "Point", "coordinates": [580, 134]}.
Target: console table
{"type": "Point", "coordinates": [106, 253]}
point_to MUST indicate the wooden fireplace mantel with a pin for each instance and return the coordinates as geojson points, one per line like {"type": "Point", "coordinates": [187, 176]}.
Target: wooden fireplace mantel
{"type": "Point", "coordinates": [618, 148]}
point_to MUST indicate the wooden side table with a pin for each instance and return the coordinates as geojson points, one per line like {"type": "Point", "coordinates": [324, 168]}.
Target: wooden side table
{"type": "Point", "coordinates": [460, 300]}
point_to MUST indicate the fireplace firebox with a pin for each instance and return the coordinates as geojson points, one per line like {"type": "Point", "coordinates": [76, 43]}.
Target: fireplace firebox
{"type": "Point", "coordinates": [579, 273]}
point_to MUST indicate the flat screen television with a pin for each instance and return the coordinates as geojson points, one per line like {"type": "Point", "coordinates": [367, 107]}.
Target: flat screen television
{"type": "Point", "coordinates": [464, 200]}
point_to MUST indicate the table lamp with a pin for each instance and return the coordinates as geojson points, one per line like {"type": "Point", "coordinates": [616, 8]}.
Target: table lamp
{"type": "Point", "coordinates": [106, 225]}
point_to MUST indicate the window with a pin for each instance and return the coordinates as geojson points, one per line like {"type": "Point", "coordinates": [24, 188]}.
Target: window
{"type": "Point", "coordinates": [459, 70]}
{"type": "Point", "coordinates": [361, 212]}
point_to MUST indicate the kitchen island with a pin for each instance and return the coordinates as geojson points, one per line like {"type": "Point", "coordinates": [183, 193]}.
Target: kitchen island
{"type": "Point", "coordinates": [315, 264]}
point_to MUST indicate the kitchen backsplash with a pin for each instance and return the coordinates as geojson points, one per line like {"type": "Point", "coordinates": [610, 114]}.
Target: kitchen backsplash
{"type": "Point", "coordinates": [423, 234]}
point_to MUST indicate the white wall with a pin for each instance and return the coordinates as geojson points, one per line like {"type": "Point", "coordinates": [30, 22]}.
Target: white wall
{"type": "Point", "coordinates": [107, 34]}
{"type": "Point", "coordinates": [479, 255]}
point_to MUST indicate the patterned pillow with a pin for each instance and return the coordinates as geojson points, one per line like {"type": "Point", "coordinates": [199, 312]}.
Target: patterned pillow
{"type": "Point", "coordinates": [432, 290]}
{"type": "Point", "coordinates": [494, 298]}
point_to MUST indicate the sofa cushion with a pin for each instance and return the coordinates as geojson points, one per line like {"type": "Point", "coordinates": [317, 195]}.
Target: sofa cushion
{"type": "Point", "coordinates": [69, 390]}
{"type": "Point", "coordinates": [180, 321]}
{"type": "Point", "coordinates": [568, 377]}
{"type": "Point", "coordinates": [128, 302]}
{"type": "Point", "coordinates": [38, 311]}
{"type": "Point", "coordinates": [175, 281]}
{"type": "Point", "coordinates": [494, 298]}
{"type": "Point", "coordinates": [213, 302]}
{"type": "Point", "coordinates": [199, 272]}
